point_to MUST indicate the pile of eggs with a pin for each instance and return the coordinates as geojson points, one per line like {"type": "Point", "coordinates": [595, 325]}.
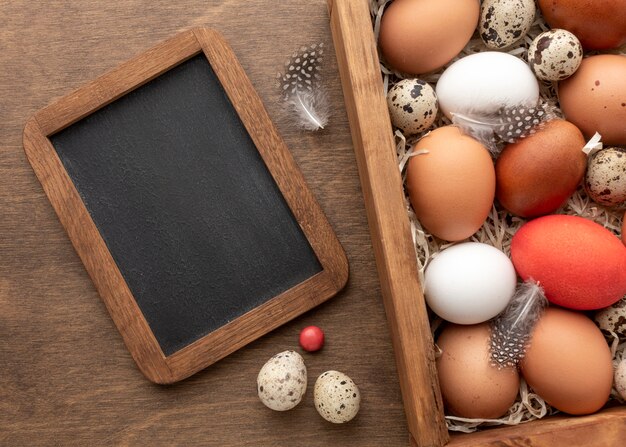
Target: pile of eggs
{"type": "Point", "coordinates": [483, 139]}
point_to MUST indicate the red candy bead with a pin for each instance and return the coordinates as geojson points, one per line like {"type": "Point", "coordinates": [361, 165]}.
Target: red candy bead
{"type": "Point", "coordinates": [311, 338]}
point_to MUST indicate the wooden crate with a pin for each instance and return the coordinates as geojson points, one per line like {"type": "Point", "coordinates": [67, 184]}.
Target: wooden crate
{"type": "Point", "coordinates": [381, 183]}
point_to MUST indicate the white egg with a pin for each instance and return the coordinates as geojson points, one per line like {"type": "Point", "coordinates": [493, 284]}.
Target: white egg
{"type": "Point", "coordinates": [486, 82]}
{"type": "Point", "coordinates": [412, 105]}
{"type": "Point", "coordinates": [504, 22]}
{"type": "Point", "coordinates": [469, 283]}
{"type": "Point", "coordinates": [282, 381]}
{"type": "Point", "coordinates": [555, 55]}
{"type": "Point", "coordinates": [620, 379]}
{"type": "Point", "coordinates": [336, 396]}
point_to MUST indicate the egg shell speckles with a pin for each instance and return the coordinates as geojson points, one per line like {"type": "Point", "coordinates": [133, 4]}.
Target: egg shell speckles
{"type": "Point", "coordinates": [555, 55]}
{"type": "Point", "coordinates": [605, 180]}
{"type": "Point", "coordinates": [613, 318]}
{"type": "Point", "coordinates": [620, 379]}
{"type": "Point", "coordinates": [504, 22]}
{"type": "Point", "coordinates": [624, 228]}
{"type": "Point", "coordinates": [282, 381]}
{"type": "Point", "coordinates": [412, 105]}
{"type": "Point", "coordinates": [337, 398]}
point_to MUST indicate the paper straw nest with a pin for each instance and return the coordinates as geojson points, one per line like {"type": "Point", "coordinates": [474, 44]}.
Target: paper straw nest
{"type": "Point", "coordinates": [500, 225]}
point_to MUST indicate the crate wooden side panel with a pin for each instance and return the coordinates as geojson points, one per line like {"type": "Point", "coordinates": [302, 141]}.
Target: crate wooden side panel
{"type": "Point", "coordinates": [389, 227]}
{"type": "Point", "coordinates": [606, 428]}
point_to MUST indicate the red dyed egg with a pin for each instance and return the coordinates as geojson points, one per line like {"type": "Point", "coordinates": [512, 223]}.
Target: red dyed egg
{"type": "Point", "coordinates": [580, 264]}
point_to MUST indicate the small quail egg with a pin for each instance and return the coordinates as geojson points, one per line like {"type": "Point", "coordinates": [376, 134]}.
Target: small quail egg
{"type": "Point", "coordinates": [555, 55]}
{"type": "Point", "coordinates": [336, 397]}
{"type": "Point", "coordinates": [605, 179]}
{"type": "Point", "coordinates": [412, 105]}
{"type": "Point", "coordinates": [620, 379]}
{"type": "Point", "coordinates": [282, 381]}
{"type": "Point", "coordinates": [504, 22]}
{"type": "Point", "coordinates": [613, 318]}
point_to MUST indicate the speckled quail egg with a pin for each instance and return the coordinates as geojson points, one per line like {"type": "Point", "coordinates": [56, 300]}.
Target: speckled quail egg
{"type": "Point", "coordinates": [412, 105]}
{"type": "Point", "coordinates": [336, 397]}
{"type": "Point", "coordinates": [613, 318]}
{"type": "Point", "coordinates": [504, 22]}
{"type": "Point", "coordinates": [555, 55]}
{"type": "Point", "coordinates": [282, 381]}
{"type": "Point", "coordinates": [619, 379]}
{"type": "Point", "coordinates": [605, 179]}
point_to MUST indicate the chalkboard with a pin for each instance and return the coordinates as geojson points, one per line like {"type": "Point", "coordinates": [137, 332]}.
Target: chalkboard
{"type": "Point", "coordinates": [185, 205]}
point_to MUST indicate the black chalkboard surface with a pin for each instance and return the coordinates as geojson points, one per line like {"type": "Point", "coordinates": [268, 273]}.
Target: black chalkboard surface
{"type": "Point", "coordinates": [185, 205]}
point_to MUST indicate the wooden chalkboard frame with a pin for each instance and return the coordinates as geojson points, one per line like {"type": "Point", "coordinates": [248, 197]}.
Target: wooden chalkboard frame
{"type": "Point", "coordinates": [93, 251]}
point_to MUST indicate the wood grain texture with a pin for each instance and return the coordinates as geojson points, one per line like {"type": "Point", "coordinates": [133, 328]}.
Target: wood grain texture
{"type": "Point", "coordinates": [388, 220]}
{"type": "Point", "coordinates": [606, 429]}
{"type": "Point", "coordinates": [93, 250]}
{"type": "Point", "coordinates": [117, 82]}
{"type": "Point", "coordinates": [67, 378]}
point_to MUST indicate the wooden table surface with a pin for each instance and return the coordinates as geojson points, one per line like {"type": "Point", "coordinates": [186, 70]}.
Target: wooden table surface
{"type": "Point", "coordinates": [66, 377]}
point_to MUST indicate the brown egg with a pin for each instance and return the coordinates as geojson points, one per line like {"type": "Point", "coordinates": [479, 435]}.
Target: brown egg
{"type": "Point", "coordinates": [451, 187]}
{"type": "Point", "coordinates": [418, 36]}
{"type": "Point", "coordinates": [594, 98]}
{"type": "Point", "coordinates": [568, 362]}
{"type": "Point", "coordinates": [470, 385]}
{"type": "Point", "coordinates": [599, 24]}
{"type": "Point", "coordinates": [537, 174]}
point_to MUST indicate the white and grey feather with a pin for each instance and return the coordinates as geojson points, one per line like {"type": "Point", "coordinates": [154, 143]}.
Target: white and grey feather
{"type": "Point", "coordinates": [511, 331]}
{"type": "Point", "coordinates": [302, 88]}
{"type": "Point", "coordinates": [506, 125]}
